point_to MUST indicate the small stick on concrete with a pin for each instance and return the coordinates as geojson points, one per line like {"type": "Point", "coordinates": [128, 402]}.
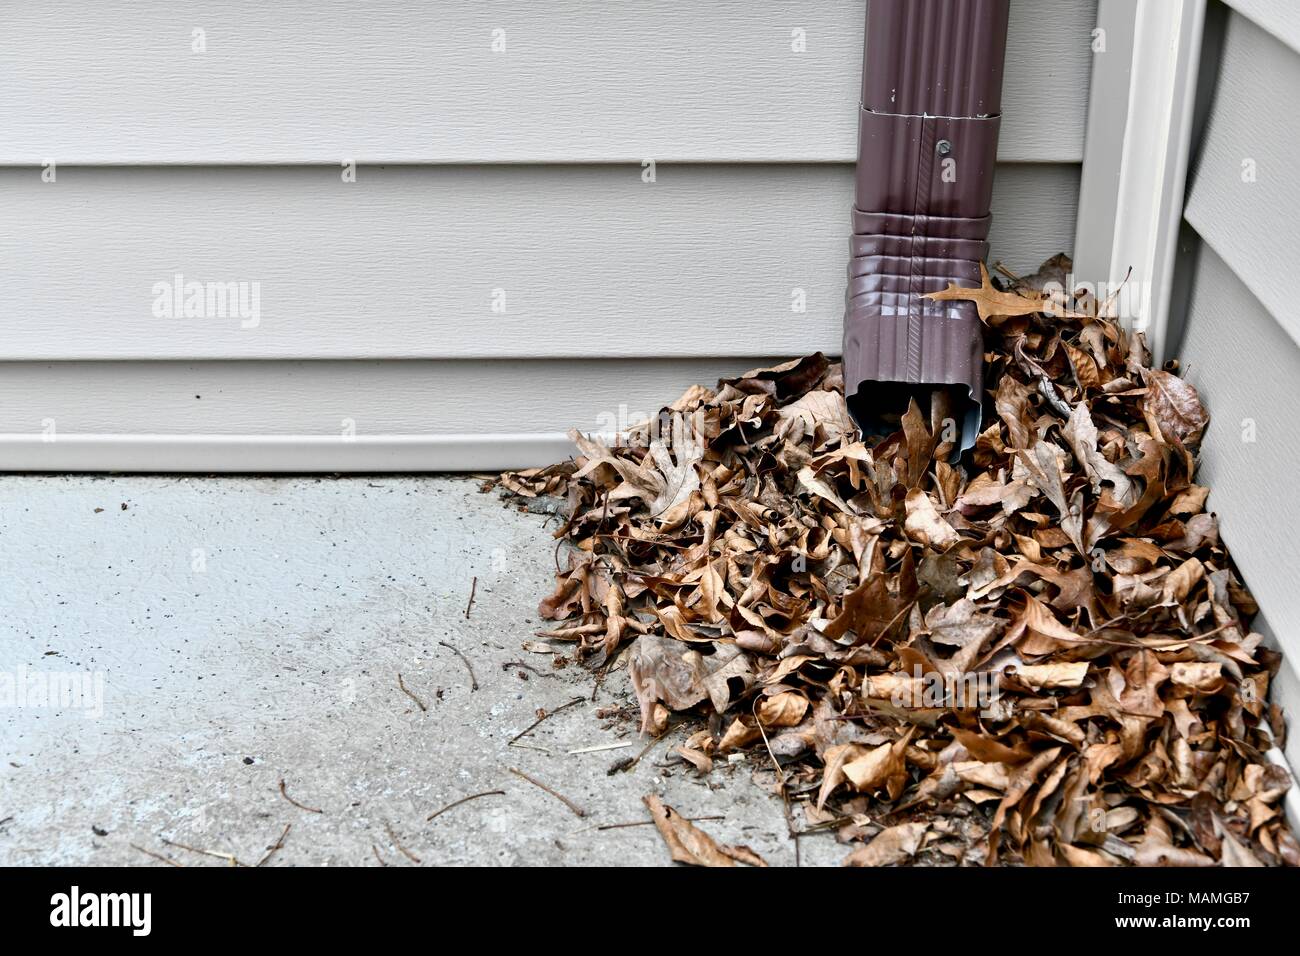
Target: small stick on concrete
{"type": "Point", "coordinates": [825, 825]}
{"type": "Point", "coordinates": [627, 763]}
{"type": "Point", "coordinates": [473, 587]}
{"type": "Point", "coordinates": [279, 845]}
{"type": "Point", "coordinates": [572, 633]}
{"type": "Point", "coordinates": [473, 681]}
{"type": "Point", "coordinates": [540, 750]}
{"type": "Point", "coordinates": [398, 843]}
{"type": "Point", "coordinates": [456, 803]}
{"type": "Point", "coordinates": [526, 666]}
{"type": "Point", "coordinates": [599, 747]}
{"type": "Point", "coordinates": [545, 716]}
{"type": "Point", "coordinates": [157, 856]}
{"type": "Point", "coordinates": [405, 690]}
{"type": "Point", "coordinates": [577, 810]}
{"type": "Point", "coordinates": [650, 823]}
{"type": "Point", "coordinates": [300, 806]}
{"type": "Point", "coordinates": [375, 850]}
{"type": "Point", "coordinates": [228, 857]}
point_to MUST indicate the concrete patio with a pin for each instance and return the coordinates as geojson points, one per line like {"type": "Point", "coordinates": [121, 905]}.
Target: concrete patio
{"type": "Point", "coordinates": [231, 633]}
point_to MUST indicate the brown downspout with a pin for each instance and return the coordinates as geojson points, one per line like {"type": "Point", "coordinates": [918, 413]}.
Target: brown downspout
{"type": "Point", "coordinates": [927, 146]}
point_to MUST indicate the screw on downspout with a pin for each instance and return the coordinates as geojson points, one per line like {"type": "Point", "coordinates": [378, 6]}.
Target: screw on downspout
{"type": "Point", "coordinates": [943, 147]}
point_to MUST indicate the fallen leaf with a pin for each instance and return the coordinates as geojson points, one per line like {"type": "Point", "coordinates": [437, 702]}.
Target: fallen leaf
{"type": "Point", "coordinates": [783, 710]}
{"type": "Point", "coordinates": [989, 300]}
{"type": "Point", "coordinates": [1175, 406]}
{"type": "Point", "coordinates": [890, 846]}
{"type": "Point", "coordinates": [689, 844]}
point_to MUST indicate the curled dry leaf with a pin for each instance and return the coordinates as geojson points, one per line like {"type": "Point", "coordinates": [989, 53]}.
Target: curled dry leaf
{"type": "Point", "coordinates": [894, 845]}
{"type": "Point", "coordinates": [1039, 676]}
{"type": "Point", "coordinates": [1041, 653]}
{"type": "Point", "coordinates": [689, 844]}
{"type": "Point", "coordinates": [1175, 407]}
{"type": "Point", "coordinates": [783, 710]}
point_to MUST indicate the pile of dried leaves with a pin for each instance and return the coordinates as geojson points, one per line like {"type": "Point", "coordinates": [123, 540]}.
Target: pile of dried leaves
{"type": "Point", "coordinates": [1040, 654]}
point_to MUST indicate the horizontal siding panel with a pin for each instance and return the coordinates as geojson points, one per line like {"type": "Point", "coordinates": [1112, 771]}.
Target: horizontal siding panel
{"type": "Point", "coordinates": [316, 398]}
{"type": "Point", "coordinates": [1244, 200]}
{"type": "Point", "coordinates": [321, 81]}
{"type": "Point", "coordinates": [1279, 17]}
{"type": "Point", "coordinates": [1246, 369]}
{"type": "Point", "coordinates": [405, 262]}
{"type": "Point", "coordinates": [325, 416]}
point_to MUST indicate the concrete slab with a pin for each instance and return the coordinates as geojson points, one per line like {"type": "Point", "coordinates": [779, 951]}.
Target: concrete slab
{"type": "Point", "coordinates": [205, 638]}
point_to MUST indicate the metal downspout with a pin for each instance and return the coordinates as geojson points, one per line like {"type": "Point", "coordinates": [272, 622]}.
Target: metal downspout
{"type": "Point", "coordinates": [927, 146]}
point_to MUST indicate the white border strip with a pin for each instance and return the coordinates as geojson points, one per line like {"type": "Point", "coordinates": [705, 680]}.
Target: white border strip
{"type": "Point", "coordinates": [1131, 194]}
{"type": "Point", "coordinates": [236, 454]}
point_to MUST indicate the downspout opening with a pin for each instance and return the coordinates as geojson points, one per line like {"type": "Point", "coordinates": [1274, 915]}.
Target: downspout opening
{"type": "Point", "coordinates": [878, 408]}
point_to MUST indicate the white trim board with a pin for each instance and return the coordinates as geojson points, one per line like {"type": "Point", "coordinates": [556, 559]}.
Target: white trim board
{"type": "Point", "coordinates": [292, 454]}
{"type": "Point", "coordinates": [1135, 154]}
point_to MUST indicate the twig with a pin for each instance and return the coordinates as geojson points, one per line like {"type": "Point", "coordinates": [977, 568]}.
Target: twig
{"type": "Point", "coordinates": [157, 856]}
{"type": "Point", "coordinates": [999, 267]}
{"type": "Point", "coordinates": [300, 806]}
{"type": "Point", "coordinates": [228, 857]}
{"type": "Point", "coordinates": [577, 810]}
{"type": "Point", "coordinates": [279, 845]}
{"type": "Point", "coordinates": [650, 823]}
{"type": "Point", "coordinates": [473, 681]}
{"type": "Point", "coordinates": [813, 828]}
{"type": "Point", "coordinates": [526, 666]}
{"type": "Point", "coordinates": [780, 773]}
{"type": "Point", "coordinates": [473, 588]}
{"type": "Point", "coordinates": [374, 849]}
{"type": "Point", "coordinates": [599, 747]}
{"type": "Point", "coordinates": [572, 633]}
{"type": "Point", "coordinates": [545, 716]}
{"type": "Point", "coordinates": [456, 803]}
{"type": "Point", "coordinates": [540, 750]}
{"type": "Point", "coordinates": [907, 609]}
{"type": "Point", "coordinates": [407, 691]}
{"type": "Point", "coordinates": [600, 679]}
{"type": "Point", "coordinates": [782, 783]}
{"type": "Point", "coordinates": [622, 767]}
{"type": "Point", "coordinates": [398, 843]}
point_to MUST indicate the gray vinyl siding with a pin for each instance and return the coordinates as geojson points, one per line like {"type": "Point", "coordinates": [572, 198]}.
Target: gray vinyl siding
{"type": "Point", "coordinates": [1241, 337]}
{"type": "Point", "coordinates": [482, 178]}
{"type": "Point", "coordinates": [309, 81]}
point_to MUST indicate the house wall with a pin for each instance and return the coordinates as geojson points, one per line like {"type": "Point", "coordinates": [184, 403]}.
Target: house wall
{"type": "Point", "coordinates": [1240, 342]}
{"type": "Point", "coordinates": [483, 178]}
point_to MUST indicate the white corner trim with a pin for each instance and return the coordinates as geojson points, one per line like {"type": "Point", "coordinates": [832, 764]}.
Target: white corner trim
{"type": "Point", "coordinates": [280, 453]}
{"type": "Point", "coordinates": [1135, 155]}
